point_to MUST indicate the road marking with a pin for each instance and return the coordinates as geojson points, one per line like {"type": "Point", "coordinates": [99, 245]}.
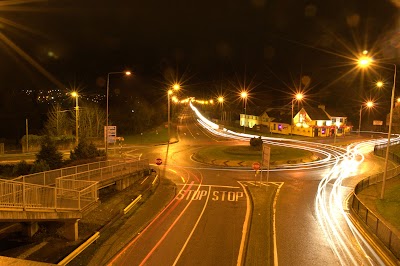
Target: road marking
{"type": "Point", "coordinates": [212, 186]}
{"type": "Point", "coordinates": [217, 195]}
{"type": "Point", "coordinates": [245, 226]}
{"type": "Point", "coordinates": [274, 222]}
{"type": "Point", "coordinates": [194, 227]}
{"type": "Point", "coordinates": [166, 233]}
{"type": "Point", "coordinates": [144, 180]}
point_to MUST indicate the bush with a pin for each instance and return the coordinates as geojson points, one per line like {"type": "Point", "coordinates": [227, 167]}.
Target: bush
{"type": "Point", "coordinates": [40, 166]}
{"type": "Point", "coordinates": [256, 143]}
{"type": "Point", "coordinates": [21, 168]}
{"type": "Point", "coordinates": [49, 153]}
{"type": "Point", "coordinates": [85, 151]}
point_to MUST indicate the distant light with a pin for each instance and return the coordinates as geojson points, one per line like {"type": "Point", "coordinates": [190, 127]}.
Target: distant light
{"type": "Point", "coordinates": [243, 94]}
{"type": "Point", "coordinates": [74, 94]}
{"type": "Point", "coordinates": [176, 86]}
{"type": "Point", "coordinates": [365, 52]}
{"type": "Point", "coordinates": [128, 73]}
{"type": "Point", "coordinates": [364, 61]}
{"type": "Point", "coordinates": [379, 84]}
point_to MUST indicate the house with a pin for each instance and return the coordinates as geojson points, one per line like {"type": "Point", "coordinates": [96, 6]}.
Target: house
{"type": "Point", "coordinates": [338, 119]}
{"type": "Point", "coordinates": [309, 121]}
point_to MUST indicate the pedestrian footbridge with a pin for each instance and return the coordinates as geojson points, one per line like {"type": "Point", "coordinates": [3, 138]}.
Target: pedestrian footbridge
{"type": "Point", "coordinates": [63, 195]}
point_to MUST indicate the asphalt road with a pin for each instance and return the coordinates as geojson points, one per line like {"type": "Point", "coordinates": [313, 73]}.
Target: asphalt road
{"type": "Point", "coordinates": [206, 224]}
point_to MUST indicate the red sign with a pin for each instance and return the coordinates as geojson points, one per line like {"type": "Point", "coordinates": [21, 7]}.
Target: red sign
{"type": "Point", "coordinates": [158, 161]}
{"type": "Point", "coordinates": [256, 166]}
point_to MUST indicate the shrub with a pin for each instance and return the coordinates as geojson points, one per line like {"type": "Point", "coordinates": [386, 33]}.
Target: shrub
{"type": "Point", "coordinates": [256, 143]}
{"type": "Point", "coordinates": [40, 166]}
{"type": "Point", "coordinates": [49, 153]}
{"type": "Point", "coordinates": [21, 168]}
{"type": "Point", "coordinates": [85, 151]}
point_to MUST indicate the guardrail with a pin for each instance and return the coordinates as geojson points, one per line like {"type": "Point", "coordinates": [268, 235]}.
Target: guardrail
{"type": "Point", "coordinates": [389, 238]}
{"type": "Point", "coordinates": [48, 178]}
{"type": "Point", "coordinates": [66, 192]}
{"type": "Point", "coordinates": [103, 173]}
{"type": "Point", "coordinates": [25, 196]}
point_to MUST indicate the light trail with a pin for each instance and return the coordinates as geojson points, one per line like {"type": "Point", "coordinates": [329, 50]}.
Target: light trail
{"type": "Point", "coordinates": [347, 243]}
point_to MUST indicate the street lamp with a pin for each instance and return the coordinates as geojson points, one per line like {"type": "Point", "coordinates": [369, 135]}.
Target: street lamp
{"type": "Point", "coordinates": [221, 102]}
{"type": "Point", "coordinates": [298, 97]}
{"type": "Point", "coordinates": [368, 104]}
{"type": "Point", "coordinates": [389, 133]}
{"type": "Point", "coordinates": [244, 96]}
{"type": "Point", "coordinates": [365, 61]}
{"type": "Point", "coordinates": [175, 87]}
{"type": "Point", "coordinates": [127, 73]}
{"type": "Point", "coordinates": [76, 96]}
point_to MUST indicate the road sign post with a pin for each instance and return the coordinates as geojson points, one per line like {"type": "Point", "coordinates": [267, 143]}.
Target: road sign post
{"type": "Point", "coordinates": [256, 167]}
{"type": "Point", "coordinates": [266, 154]}
{"type": "Point", "coordinates": [158, 163]}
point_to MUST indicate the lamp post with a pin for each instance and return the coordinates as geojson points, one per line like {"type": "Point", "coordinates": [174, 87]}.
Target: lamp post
{"type": "Point", "coordinates": [298, 97]}
{"type": "Point", "coordinates": [221, 102]}
{"type": "Point", "coordinates": [244, 96]}
{"type": "Point", "coordinates": [389, 133]}
{"type": "Point", "coordinates": [368, 104]}
{"type": "Point", "coordinates": [127, 73]}
{"type": "Point", "coordinates": [76, 96]}
{"type": "Point", "coordinates": [175, 87]}
{"type": "Point", "coordinates": [363, 62]}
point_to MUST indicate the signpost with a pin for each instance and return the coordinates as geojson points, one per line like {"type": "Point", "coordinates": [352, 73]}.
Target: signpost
{"type": "Point", "coordinates": [256, 167]}
{"type": "Point", "coordinates": [266, 155]}
{"type": "Point", "coordinates": [159, 162]}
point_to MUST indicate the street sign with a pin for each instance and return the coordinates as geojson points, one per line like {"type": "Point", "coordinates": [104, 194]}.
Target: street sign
{"type": "Point", "coordinates": [256, 166]}
{"type": "Point", "coordinates": [110, 134]}
{"type": "Point", "coordinates": [158, 161]}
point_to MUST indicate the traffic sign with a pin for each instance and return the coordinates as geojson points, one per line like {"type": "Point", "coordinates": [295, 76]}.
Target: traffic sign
{"type": "Point", "coordinates": [158, 161]}
{"type": "Point", "coordinates": [256, 166]}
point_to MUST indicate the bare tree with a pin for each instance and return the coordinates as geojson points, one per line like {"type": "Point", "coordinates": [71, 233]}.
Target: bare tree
{"type": "Point", "coordinates": [58, 121]}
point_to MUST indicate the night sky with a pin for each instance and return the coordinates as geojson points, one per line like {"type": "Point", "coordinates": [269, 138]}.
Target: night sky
{"type": "Point", "coordinates": [263, 45]}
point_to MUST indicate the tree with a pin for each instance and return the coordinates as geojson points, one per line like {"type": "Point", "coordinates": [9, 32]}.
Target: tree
{"type": "Point", "coordinates": [49, 153]}
{"type": "Point", "coordinates": [58, 123]}
{"type": "Point", "coordinates": [91, 121]}
{"type": "Point", "coordinates": [85, 151]}
{"type": "Point", "coordinates": [256, 143]}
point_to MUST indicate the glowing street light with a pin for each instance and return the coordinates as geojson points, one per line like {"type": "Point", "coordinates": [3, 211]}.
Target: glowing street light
{"type": "Point", "coordinates": [221, 102]}
{"type": "Point", "coordinates": [127, 73]}
{"type": "Point", "coordinates": [363, 62]}
{"type": "Point", "coordinates": [389, 132]}
{"type": "Point", "coordinates": [369, 105]}
{"type": "Point", "coordinates": [175, 87]}
{"type": "Point", "coordinates": [298, 97]}
{"type": "Point", "coordinates": [76, 96]}
{"type": "Point", "coordinates": [244, 96]}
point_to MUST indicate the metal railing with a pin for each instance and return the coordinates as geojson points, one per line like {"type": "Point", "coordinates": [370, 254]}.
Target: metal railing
{"type": "Point", "coordinates": [25, 196]}
{"type": "Point", "coordinates": [57, 190]}
{"type": "Point", "coordinates": [48, 178]}
{"type": "Point", "coordinates": [105, 173]}
{"type": "Point", "coordinates": [388, 237]}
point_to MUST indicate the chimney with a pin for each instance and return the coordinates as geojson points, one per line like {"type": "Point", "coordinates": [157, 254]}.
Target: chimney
{"type": "Point", "coordinates": [321, 106]}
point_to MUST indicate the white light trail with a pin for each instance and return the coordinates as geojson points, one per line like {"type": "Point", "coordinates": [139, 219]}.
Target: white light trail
{"type": "Point", "coordinates": [348, 244]}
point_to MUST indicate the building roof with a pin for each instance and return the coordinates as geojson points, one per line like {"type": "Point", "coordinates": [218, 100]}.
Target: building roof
{"type": "Point", "coordinates": [334, 113]}
{"type": "Point", "coordinates": [316, 113]}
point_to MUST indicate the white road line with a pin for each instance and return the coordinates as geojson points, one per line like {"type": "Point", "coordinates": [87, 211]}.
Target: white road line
{"type": "Point", "coordinates": [245, 226]}
{"type": "Point", "coordinates": [210, 186]}
{"type": "Point", "coordinates": [144, 180]}
{"type": "Point", "coordinates": [274, 224]}
{"type": "Point", "coordinates": [194, 227]}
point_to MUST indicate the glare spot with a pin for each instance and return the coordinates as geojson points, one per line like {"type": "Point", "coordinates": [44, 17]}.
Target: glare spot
{"type": "Point", "coordinates": [310, 10]}
{"type": "Point", "coordinates": [353, 20]}
{"type": "Point", "coordinates": [269, 52]}
{"type": "Point", "coordinates": [258, 3]}
{"type": "Point", "coordinates": [305, 80]}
